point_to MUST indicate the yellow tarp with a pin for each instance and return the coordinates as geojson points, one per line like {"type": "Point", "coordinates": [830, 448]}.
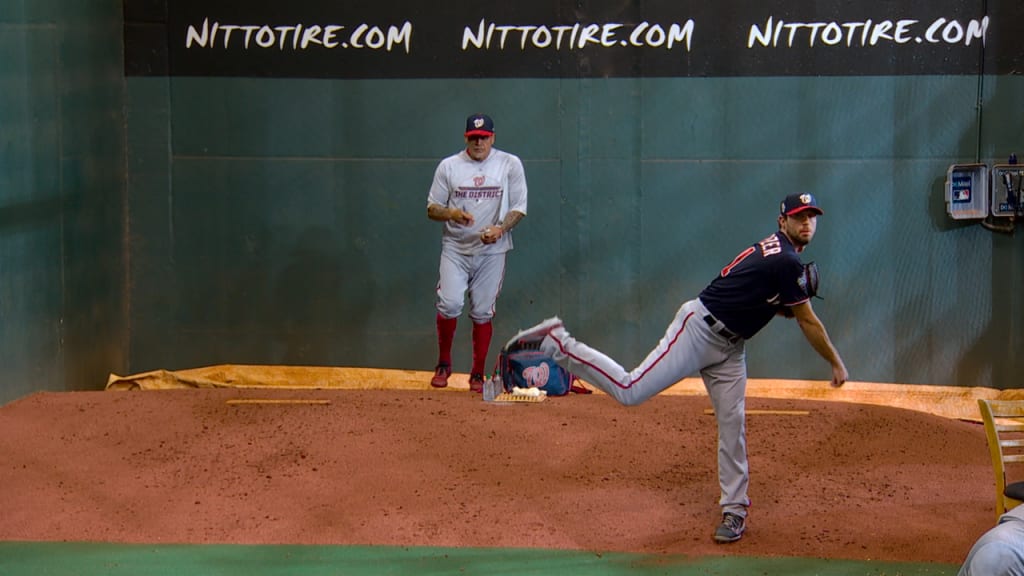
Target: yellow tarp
{"type": "Point", "coordinates": [947, 401]}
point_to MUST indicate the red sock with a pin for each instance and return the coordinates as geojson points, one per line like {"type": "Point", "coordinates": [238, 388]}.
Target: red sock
{"type": "Point", "coordinates": [445, 335]}
{"type": "Point", "coordinates": [481, 343]}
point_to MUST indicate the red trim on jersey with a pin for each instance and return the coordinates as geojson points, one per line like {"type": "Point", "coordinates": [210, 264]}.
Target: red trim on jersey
{"type": "Point", "coordinates": [739, 258]}
{"type": "Point", "coordinates": [649, 368]}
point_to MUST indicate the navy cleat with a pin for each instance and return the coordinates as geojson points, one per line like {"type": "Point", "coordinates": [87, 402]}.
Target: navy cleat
{"type": "Point", "coordinates": [731, 529]}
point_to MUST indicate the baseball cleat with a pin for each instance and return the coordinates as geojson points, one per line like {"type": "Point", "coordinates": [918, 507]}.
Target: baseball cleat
{"type": "Point", "coordinates": [532, 337]}
{"type": "Point", "coordinates": [476, 382]}
{"type": "Point", "coordinates": [441, 374]}
{"type": "Point", "coordinates": [731, 529]}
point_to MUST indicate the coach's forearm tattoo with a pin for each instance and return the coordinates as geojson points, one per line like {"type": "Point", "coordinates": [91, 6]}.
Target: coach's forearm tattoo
{"type": "Point", "coordinates": [510, 220]}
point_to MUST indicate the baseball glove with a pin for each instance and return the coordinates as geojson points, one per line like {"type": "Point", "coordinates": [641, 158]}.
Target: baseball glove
{"type": "Point", "coordinates": [810, 280]}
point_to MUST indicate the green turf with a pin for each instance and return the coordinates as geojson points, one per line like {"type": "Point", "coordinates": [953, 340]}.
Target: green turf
{"type": "Point", "coordinates": [100, 559]}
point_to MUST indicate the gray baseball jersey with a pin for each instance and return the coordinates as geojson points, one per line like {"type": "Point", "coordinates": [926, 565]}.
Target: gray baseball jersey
{"type": "Point", "coordinates": [487, 189]}
{"type": "Point", "coordinates": [1000, 551]}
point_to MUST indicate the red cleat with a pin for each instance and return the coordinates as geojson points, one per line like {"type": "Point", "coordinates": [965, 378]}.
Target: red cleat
{"type": "Point", "coordinates": [441, 374]}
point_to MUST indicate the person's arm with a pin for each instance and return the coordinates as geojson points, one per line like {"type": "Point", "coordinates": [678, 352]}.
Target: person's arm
{"type": "Point", "coordinates": [815, 333]}
{"type": "Point", "coordinates": [517, 197]}
{"type": "Point", "coordinates": [492, 233]}
{"type": "Point", "coordinates": [440, 196]}
{"type": "Point", "coordinates": [444, 214]}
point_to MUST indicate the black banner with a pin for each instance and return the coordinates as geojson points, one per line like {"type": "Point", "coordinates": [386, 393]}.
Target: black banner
{"type": "Point", "coordinates": [572, 38]}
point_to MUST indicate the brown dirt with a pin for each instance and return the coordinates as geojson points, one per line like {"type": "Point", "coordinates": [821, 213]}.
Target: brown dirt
{"type": "Point", "coordinates": [442, 468]}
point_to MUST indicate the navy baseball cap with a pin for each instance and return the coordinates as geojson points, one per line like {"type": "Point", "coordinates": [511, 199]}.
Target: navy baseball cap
{"type": "Point", "coordinates": [479, 125]}
{"type": "Point", "coordinates": [796, 203]}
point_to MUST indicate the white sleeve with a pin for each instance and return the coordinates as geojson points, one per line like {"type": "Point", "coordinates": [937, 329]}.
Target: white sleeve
{"type": "Point", "coordinates": [440, 190]}
{"type": "Point", "coordinates": [516, 186]}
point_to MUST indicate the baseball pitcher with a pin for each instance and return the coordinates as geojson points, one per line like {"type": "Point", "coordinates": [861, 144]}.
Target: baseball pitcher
{"type": "Point", "coordinates": [708, 335]}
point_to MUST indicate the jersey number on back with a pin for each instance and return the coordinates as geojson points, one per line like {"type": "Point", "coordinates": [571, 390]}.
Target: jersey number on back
{"type": "Point", "coordinates": [736, 261]}
{"type": "Point", "coordinates": [769, 246]}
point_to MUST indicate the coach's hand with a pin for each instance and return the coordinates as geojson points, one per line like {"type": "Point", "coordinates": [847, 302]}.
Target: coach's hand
{"type": "Point", "coordinates": [491, 234]}
{"type": "Point", "coordinates": [460, 216]}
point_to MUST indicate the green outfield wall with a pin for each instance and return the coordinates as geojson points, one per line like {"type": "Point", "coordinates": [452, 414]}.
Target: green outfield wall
{"type": "Point", "coordinates": [63, 285]}
{"type": "Point", "coordinates": [283, 220]}
{"type": "Point", "coordinates": [154, 220]}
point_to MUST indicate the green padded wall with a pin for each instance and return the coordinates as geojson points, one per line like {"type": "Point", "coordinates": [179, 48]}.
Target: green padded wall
{"type": "Point", "coordinates": [171, 222]}
{"type": "Point", "coordinates": [282, 221]}
{"type": "Point", "coordinates": [62, 182]}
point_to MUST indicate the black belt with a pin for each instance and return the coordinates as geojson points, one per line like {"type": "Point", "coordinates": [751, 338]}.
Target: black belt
{"type": "Point", "coordinates": [722, 330]}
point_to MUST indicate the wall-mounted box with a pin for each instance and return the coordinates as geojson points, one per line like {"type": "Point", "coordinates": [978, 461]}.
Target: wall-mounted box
{"type": "Point", "coordinates": [1005, 190]}
{"type": "Point", "coordinates": [967, 192]}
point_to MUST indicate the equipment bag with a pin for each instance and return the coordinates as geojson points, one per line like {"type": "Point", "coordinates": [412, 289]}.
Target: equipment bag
{"type": "Point", "coordinates": [524, 368]}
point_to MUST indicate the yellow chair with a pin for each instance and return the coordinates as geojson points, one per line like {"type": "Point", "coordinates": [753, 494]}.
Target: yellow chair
{"type": "Point", "coordinates": [1004, 428]}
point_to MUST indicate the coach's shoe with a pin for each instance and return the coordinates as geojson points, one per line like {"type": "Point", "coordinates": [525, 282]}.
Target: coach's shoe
{"type": "Point", "coordinates": [532, 337]}
{"type": "Point", "coordinates": [476, 382]}
{"type": "Point", "coordinates": [441, 374]}
{"type": "Point", "coordinates": [731, 529]}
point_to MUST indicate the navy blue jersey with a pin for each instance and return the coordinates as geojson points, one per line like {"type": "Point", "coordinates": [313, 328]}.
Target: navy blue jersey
{"type": "Point", "coordinates": [756, 285]}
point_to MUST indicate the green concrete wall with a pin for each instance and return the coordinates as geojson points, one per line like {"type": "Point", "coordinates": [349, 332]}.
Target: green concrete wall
{"type": "Point", "coordinates": [282, 221]}
{"type": "Point", "coordinates": [62, 286]}
{"type": "Point", "coordinates": [171, 223]}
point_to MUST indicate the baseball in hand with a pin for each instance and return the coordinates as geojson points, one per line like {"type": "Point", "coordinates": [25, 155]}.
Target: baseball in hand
{"type": "Point", "coordinates": [490, 235]}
